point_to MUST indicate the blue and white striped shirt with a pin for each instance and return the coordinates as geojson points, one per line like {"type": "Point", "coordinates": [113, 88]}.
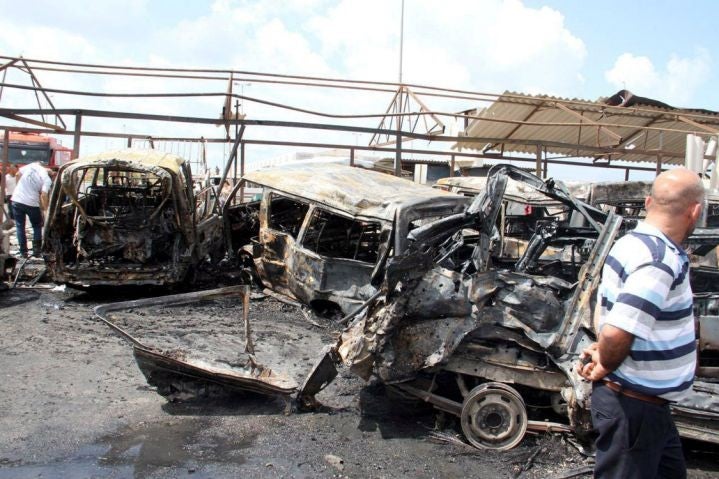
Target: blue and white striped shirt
{"type": "Point", "coordinates": [645, 291]}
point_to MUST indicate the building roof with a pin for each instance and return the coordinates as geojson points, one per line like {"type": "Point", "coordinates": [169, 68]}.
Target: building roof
{"type": "Point", "coordinates": [623, 126]}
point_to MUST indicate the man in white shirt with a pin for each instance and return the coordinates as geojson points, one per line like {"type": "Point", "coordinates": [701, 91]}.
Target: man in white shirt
{"type": "Point", "coordinates": [30, 198]}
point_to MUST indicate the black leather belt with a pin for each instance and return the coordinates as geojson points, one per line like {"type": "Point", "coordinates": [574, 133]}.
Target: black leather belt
{"type": "Point", "coordinates": [617, 388]}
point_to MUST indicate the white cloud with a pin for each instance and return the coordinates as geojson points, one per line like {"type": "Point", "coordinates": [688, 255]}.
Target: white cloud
{"type": "Point", "coordinates": [481, 45]}
{"type": "Point", "coordinates": [47, 42]}
{"type": "Point", "coordinates": [636, 72]}
{"type": "Point", "coordinates": [485, 45]}
{"type": "Point", "coordinates": [675, 84]}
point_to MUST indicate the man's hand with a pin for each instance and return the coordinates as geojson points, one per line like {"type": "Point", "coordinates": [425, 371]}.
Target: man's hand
{"type": "Point", "coordinates": [604, 356]}
{"type": "Point", "coordinates": [589, 365]}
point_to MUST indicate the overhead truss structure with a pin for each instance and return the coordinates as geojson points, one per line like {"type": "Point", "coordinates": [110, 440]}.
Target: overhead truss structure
{"type": "Point", "coordinates": [508, 126]}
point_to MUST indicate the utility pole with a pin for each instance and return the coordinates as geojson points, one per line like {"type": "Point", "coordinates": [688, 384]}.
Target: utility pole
{"type": "Point", "coordinates": [398, 153]}
{"type": "Point", "coordinates": [401, 41]}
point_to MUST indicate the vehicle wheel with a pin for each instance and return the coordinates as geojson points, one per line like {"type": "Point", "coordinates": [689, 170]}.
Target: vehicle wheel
{"type": "Point", "coordinates": [494, 417]}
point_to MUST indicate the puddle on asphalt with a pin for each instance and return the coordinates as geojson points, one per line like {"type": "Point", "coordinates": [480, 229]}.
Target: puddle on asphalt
{"type": "Point", "coordinates": [173, 443]}
{"type": "Point", "coordinates": [185, 447]}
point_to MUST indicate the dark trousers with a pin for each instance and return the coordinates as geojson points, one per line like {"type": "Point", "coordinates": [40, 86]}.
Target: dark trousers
{"type": "Point", "coordinates": [33, 213]}
{"type": "Point", "coordinates": [636, 439]}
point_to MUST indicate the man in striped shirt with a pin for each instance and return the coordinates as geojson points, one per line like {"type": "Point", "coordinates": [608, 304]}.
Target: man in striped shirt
{"type": "Point", "coordinates": [645, 356]}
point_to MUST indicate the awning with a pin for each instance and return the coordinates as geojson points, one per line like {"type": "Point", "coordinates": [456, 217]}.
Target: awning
{"type": "Point", "coordinates": [623, 126]}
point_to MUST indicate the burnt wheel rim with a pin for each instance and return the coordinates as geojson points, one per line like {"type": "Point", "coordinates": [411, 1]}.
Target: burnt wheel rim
{"type": "Point", "coordinates": [494, 417]}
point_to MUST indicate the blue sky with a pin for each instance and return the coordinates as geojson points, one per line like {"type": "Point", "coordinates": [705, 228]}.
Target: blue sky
{"type": "Point", "coordinates": [656, 29]}
{"type": "Point", "coordinates": [584, 49]}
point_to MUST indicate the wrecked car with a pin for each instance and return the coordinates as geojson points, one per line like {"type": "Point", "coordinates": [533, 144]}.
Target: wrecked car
{"type": "Point", "coordinates": [626, 198]}
{"type": "Point", "coordinates": [494, 341]}
{"type": "Point", "coordinates": [129, 217]}
{"type": "Point", "coordinates": [487, 337]}
{"type": "Point", "coordinates": [521, 210]}
{"type": "Point", "coordinates": [320, 233]}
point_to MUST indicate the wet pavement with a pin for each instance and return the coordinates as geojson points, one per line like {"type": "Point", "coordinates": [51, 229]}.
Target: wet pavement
{"type": "Point", "coordinates": [74, 404]}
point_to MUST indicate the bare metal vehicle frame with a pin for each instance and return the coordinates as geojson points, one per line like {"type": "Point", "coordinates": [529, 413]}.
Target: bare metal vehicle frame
{"type": "Point", "coordinates": [128, 218]}
{"type": "Point", "coordinates": [454, 318]}
{"type": "Point", "coordinates": [493, 339]}
{"type": "Point", "coordinates": [320, 233]}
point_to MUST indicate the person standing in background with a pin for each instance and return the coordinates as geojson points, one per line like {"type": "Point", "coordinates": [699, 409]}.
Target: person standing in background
{"type": "Point", "coordinates": [30, 198]}
{"type": "Point", "coordinates": [10, 182]}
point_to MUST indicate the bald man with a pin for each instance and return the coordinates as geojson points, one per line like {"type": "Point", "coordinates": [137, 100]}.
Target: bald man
{"type": "Point", "coordinates": [645, 356]}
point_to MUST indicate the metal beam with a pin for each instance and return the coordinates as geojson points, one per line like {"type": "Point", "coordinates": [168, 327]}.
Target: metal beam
{"type": "Point", "coordinates": [518, 126]}
{"type": "Point", "coordinates": [4, 69]}
{"type": "Point", "coordinates": [337, 146]}
{"type": "Point", "coordinates": [242, 171]}
{"type": "Point", "coordinates": [230, 161]}
{"type": "Point", "coordinates": [423, 108]}
{"type": "Point", "coordinates": [36, 82]}
{"type": "Point", "coordinates": [632, 135]}
{"type": "Point", "coordinates": [398, 151]}
{"type": "Point", "coordinates": [9, 64]}
{"type": "Point", "coordinates": [601, 128]}
{"type": "Point", "coordinates": [76, 136]}
{"type": "Point", "coordinates": [693, 123]}
{"type": "Point", "coordinates": [32, 121]}
{"type": "Point", "coordinates": [350, 129]}
{"type": "Point", "coordinates": [424, 90]}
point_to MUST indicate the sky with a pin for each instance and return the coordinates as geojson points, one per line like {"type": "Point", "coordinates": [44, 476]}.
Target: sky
{"type": "Point", "coordinates": [577, 49]}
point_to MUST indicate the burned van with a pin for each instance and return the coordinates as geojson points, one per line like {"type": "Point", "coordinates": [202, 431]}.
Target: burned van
{"type": "Point", "coordinates": [626, 198]}
{"type": "Point", "coordinates": [321, 233]}
{"type": "Point", "coordinates": [447, 319]}
{"type": "Point", "coordinates": [494, 341]}
{"type": "Point", "coordinates": [128, 218]}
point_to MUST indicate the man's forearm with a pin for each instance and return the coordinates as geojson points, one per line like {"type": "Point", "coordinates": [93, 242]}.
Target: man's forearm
{"type": "Point", "coordinates": [614, 346]}
{"type": "Point", "coordinates": [43, 201]}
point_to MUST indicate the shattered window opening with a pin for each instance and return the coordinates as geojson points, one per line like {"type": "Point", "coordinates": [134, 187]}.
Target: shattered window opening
{"type": "Point", "coordinates": [337, 236]}
{"type": "Point", "coordinates": [204, 199]}
{"type": "Point", "coordinates": [286, 215]}
{"type": "Point", "coordinates": [423, 220]}
{"type": "Point", "coordinates": [114, 194]}
{"type": "Point", "coordinates": [712, 213]}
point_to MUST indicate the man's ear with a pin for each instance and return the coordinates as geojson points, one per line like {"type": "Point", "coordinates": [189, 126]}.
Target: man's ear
{"type": "Point", "coordinates": [647, 203]}
{"type": "Point", "coordinates": [696, 212]}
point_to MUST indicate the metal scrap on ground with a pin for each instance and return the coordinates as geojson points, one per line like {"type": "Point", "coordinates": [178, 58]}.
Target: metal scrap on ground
{"type": "Point", "coordinates": [478, 304]}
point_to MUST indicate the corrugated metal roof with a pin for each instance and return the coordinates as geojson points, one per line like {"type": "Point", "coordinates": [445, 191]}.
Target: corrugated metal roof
{"type": "Point", "coordinates": [636, 130]}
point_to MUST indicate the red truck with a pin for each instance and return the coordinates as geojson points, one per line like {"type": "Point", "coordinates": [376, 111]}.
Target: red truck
{"type": "Point", "coordinates": [30, 147]}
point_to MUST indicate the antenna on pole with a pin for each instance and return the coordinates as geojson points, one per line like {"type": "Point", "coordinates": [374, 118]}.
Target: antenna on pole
{"type": "Point", "coordinates": [401, 41]}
